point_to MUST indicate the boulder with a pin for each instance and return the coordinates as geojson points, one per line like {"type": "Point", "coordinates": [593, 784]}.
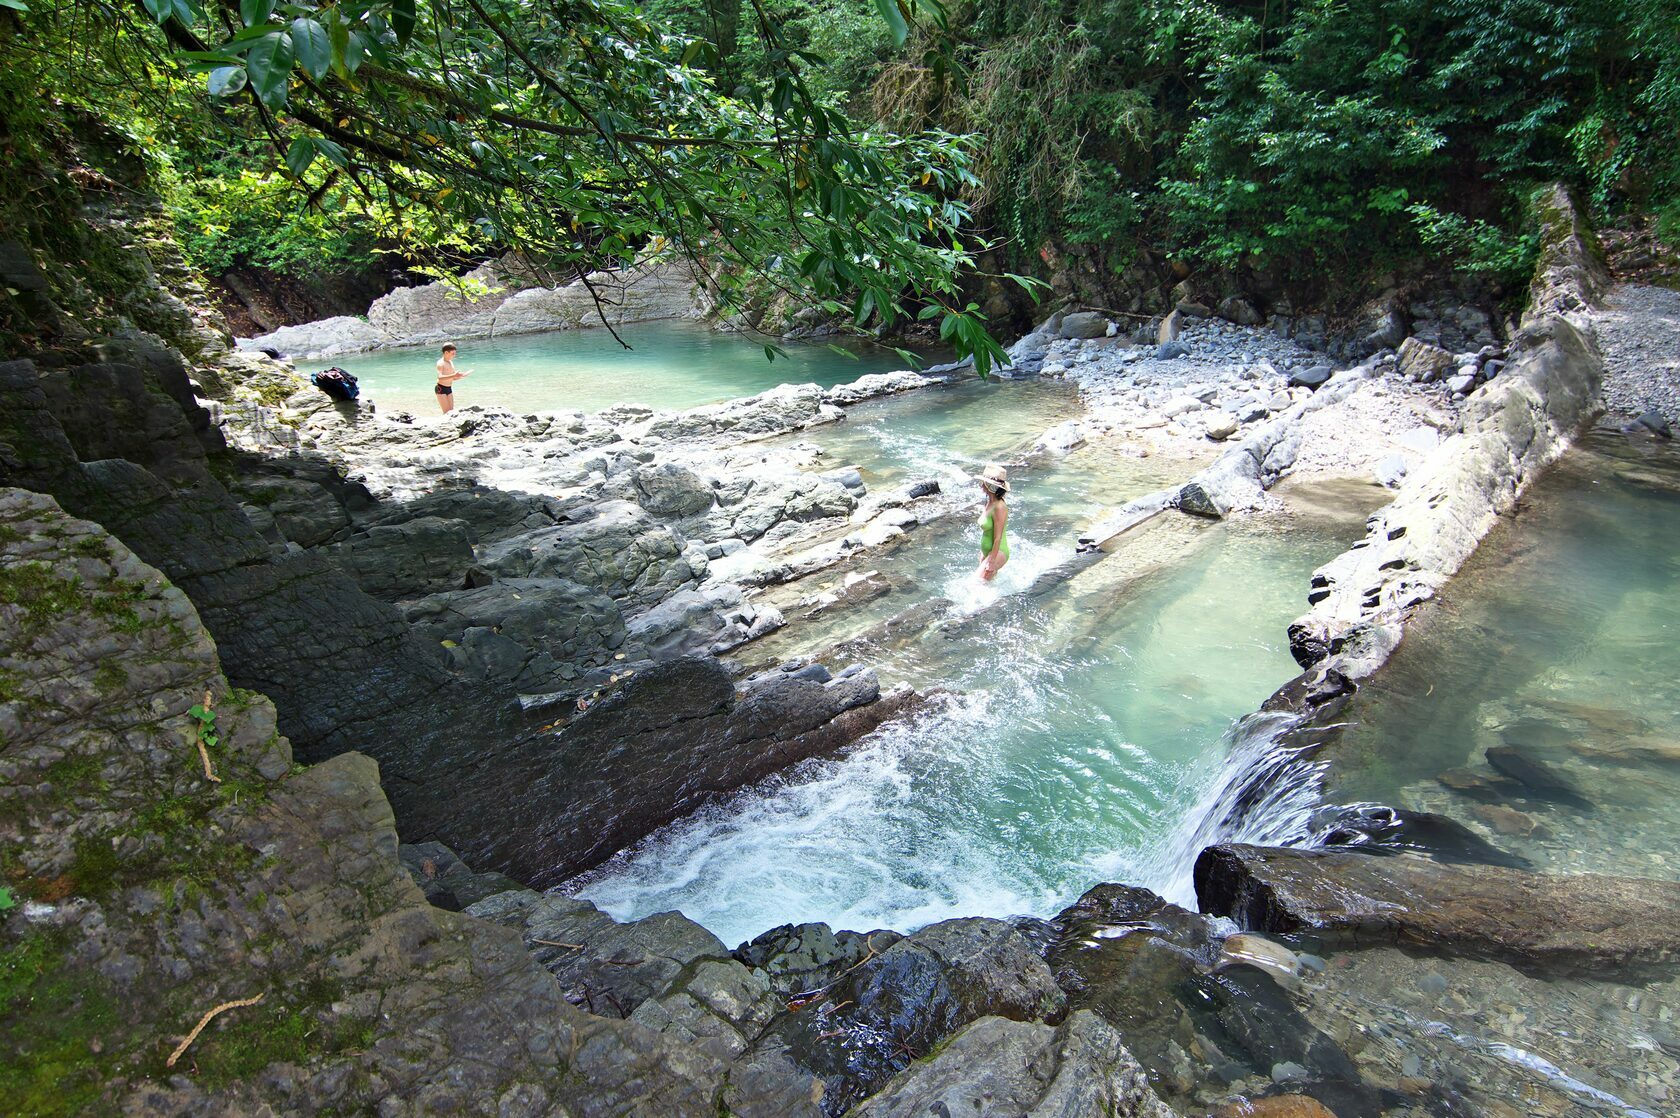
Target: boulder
{"type": "Point", "coordinates": [1390, 470]}
{"type": "Point", "coordinates": [1655, 422]}
{"type": "Point", "coordinates": [1311, 377]}
{"type": "Point", "coordinates": [1085, 324]}
{"type": "Point", "coordinates": [1581, 923]}
{"type": "Point", "coordinates": [302, 511]}
{"type": "Point", "coordinates": [998, 1068]}
{"type": "Point", "coordinates": [1240, 311]}
{"type": "Point", "coordinates": [1167, 351]}
{"type": "Point", "coordinates": [606, 967]}
{"type": "Point", "coordinates": [1220, 426]}
{"type": "Point", "coordinates": [870, 1024]}
{"type": "Point", "coordinates": [446, 880]}
{"type": "Point", "coordinates": [798, 959]}
{"type": "Point", "coordinates": [327, 337]}
{"type": "Point", "coordinates": [1461, 384]}
{"type": "Point", "coordinates": [658, 746]}
{"type": "Point", "coordinates": [614, 547]}
{"type": "Point", "coordinates": [1171, 327]}
{"type": "Point", "coordinates": [533, 632]}
{"type": "Point", "coordinates": [1421, 361]}
{"type": "Point", "coordinates": [670, 491]}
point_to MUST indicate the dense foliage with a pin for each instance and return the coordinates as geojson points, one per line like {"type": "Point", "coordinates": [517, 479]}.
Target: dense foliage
{"type": "Point", "coordinates": [580, 133]}
{"type": "Point", "coordinates": [1309, 135]}
{"type": "Point", "coordinates": [833, 149]}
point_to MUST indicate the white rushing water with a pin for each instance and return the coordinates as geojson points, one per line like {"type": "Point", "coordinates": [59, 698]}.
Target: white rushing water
{"type": "Point", "coordinates": [1089, 736]}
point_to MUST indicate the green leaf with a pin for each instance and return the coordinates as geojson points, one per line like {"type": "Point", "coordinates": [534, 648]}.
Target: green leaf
{"type": "Point", "coordinates": [209, 738]}
{"type": "Point", "coordinates": [895, 20]}
{"type": "Point", "coordinates": [333, 153]}
{"type": "Point", "coordinates": [16, 6]}
{"type": "Point", "coordinates": [254, 12]}
{"type": "Point", "coordinates": [8, 900]}
{"type": "Point", "coordinates": [338, 34]}
{"type": "Point", "coordinates": [269, 66]}
{"type": "Point", "coordinates": [300, 155]}
{"type": "Point", "coordinates": [199, 713]}
{"type": "Point", "coordinates": [225, 81]}
{"type": "Point", "coordinates": [313, 49]}
{"type": "Point", "coordinates": [160, 9]}
{"type": "Point", "coordinates": [402, 20]}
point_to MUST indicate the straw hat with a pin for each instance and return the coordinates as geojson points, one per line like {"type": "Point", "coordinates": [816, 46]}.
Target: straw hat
{"type": "Point", "coordinates": [995, 478]}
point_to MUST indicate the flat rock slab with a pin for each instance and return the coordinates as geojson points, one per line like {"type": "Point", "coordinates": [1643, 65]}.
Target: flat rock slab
{"type": "Point", "coordinates": [1591, 924]}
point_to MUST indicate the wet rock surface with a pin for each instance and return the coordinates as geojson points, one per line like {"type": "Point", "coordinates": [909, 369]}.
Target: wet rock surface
{"type": "Point", "coordinates": [902, 999]}
{"type": "Point", "coordinates": [153, 891]}
{"type": "Point", "coordinates": [672, 739]}
{"type": "Point", "coordinates": [998, 1067]}
{"type": "Point", "coordinates": [1578, 923]}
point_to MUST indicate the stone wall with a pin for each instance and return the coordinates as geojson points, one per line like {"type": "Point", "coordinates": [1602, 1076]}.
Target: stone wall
{"type": "Point", "coordinates": [1512, 428]}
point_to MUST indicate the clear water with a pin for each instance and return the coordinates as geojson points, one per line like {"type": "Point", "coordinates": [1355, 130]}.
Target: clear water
{"type": "Point", "coordinates": [672, 365]}
{"type": "Point", "coordinates": [1561, 639]}
{"type": "Point", "coordinates": [1087, 720]}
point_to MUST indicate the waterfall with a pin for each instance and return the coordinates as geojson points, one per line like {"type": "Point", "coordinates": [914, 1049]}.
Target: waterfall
{"type": "Point", "coordinates": [1266, 793]}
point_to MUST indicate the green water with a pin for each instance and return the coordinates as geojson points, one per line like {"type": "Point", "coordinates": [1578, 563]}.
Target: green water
{"type": "Point", "coordinates": [1561, 638]}
{"type": "Point", "coordinates": [1087, 721]}
{"type": "Point", "coordinates": [672, 365]}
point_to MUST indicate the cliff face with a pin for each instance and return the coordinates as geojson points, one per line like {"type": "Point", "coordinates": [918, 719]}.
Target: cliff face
{"type": "Point", "coordinates": [162, 865]}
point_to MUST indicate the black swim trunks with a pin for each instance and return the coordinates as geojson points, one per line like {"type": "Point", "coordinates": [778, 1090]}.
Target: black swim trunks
{"type": "Point", "coordinates": [443, 390]}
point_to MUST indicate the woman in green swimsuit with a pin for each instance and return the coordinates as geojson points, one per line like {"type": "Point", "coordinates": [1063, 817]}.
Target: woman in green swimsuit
{"type": "Point", "coordinates": [994, 522]}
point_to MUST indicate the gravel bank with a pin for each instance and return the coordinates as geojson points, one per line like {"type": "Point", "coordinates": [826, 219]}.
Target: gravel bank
{"type": "Point", "coordinates": [1639, 332]}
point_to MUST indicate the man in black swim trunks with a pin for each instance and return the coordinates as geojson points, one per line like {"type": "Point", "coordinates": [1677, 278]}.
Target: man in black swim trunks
{"type": "Point", "coordinates": [447, 376]}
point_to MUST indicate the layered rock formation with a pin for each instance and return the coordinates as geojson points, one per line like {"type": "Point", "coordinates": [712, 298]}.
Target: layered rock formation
{"type": "Point", "coordinates": [1581, 923]}
{"type": "Point", "coordinates": [501, 297]}
{"type": "Point", "coordinates": [1548, 390]}
{"type": "Point", "coordinates": [165, 864]}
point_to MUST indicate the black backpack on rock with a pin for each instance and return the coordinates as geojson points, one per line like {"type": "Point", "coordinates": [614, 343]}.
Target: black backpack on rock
{"type": "Point", "coordinates": [337, 383]}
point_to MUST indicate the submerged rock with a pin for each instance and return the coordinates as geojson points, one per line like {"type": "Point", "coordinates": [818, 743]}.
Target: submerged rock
{"type": "Point", "coordinates": [1581, 923]}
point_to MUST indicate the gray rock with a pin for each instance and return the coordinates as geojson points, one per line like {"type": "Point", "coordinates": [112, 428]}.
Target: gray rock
{"type": "Point", "coordinates": [616, 548]}
{"type": "Point", "coordinates": [1167, 351]}
{"type": "Point", "coordinates": [1421, 361]}
{"type": "Point", "coordinates": [1655, 422]}
{"type": "Point", "coordinates": [524, 630]}
{"type": "Point", "coordinates": [1390, 470]}
{"type": "Point", "coordinates": [1240, 311]}
{"type": "Point", "coordinates": [670, 491]}
{"type": "Point", "coordinates": [799, 959]}
{"type": "Point", "coordinates": [1462, 384]}
{"type": "Point", "coordinates": [419, 556]}
{"type": "Point", "coordinates": [304, 512]}
{"type": "Point", "coordinates": [1579, 924]}
{"type": "Point", "coordinates": [1171, 327]}
{"type": "Point", "coordinates": [998, 1068]}
{"type": "Point", "coordinates": [1085, 324]}
{"type": "Point", "coordinates": [870, 1024]}
{"type": "Point", "coordinates": [1220, 426]}
{"type": "Point", "coordinates": [603, 966]}
{"type": "Point", "coordinates": [1313, 377]}
{"type": "Point", "coordinates": [447, 881]}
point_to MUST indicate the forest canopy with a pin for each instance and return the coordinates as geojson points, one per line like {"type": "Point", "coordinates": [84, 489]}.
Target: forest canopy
{"type": "Point", "coordinates": [870, 155]}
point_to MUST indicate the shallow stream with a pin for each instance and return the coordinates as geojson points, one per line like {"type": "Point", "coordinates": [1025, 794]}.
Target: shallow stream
{"type": "Point", "coordinates": [1073, 730]}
